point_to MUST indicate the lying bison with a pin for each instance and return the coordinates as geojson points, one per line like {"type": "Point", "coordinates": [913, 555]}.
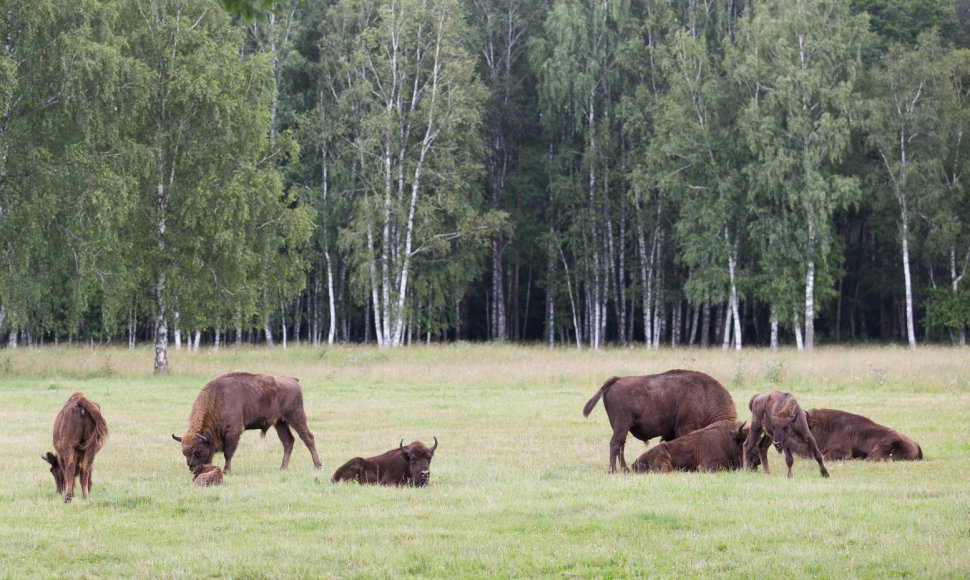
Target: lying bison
{"type": "Point", "coordinates": [842, 435]}
{"type": "Point", "coordinates": [716, 447]}
{"type": "Point", "coordinates": [79, 432]}
{"type": "Point", "coordinates": [393, 467]}
{"type": "Point", "coordinates": [232, 403]}
{"type": "Point", "coordinates": [207, 475]}
{"type": "Point", "coordinates": [778, 415]}
{"type": "Point", "coordinates": [667, 405]}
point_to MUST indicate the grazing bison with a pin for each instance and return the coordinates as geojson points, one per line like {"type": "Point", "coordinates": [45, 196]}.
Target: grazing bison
{"type": "Point", "coordinates": [79, 432]}
{"type": "Point", "coordinates": [207, 475]}
{"type": "Point", "coordinates": [842, 435]}
{"type": "Point", "coordinates": [232, 403]}
{"type": "Point", "coordinates": [716, 447]}
{"type": "Point", "coordinates": [668, 405]}
{"type": "Point", "coordinates": [778, 415]}
{"type": "Point", "coordinates": [393, 467]}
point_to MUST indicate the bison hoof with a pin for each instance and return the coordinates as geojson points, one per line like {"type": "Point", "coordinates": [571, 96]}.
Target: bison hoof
{"type": "Point", "coordinates": [825, 474]}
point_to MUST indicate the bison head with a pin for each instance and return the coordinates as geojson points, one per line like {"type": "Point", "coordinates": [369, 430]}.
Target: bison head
{"type": "Point", "coordinates": [197, 449]}
{"type": "Point", "coordinates": [419, 457]}
{"type": "Point", "coordinates": [781, 429]}
{"type": "Point", "coordinates": [56, 470]}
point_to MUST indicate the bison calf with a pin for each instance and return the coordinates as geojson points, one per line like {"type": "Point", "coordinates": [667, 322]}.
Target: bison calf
{"type": "Point", "coordinates": [667, 405]}
{"type": "Point", "coordinates": [411, 464]}
{"type": "Point", "coordinates": [207, 475]}
{"type": "Point", "coordinates": [79, 432]}
{"type": "Point", "coordinates": [842, 435]}
{"type": "Point", "coordinates": [714, 448]}
{"type": "Point", "coordinates": [778, 415]}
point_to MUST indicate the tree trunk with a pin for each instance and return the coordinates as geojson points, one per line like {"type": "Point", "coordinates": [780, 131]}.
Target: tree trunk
{"type": "Point", "coordinates": [161, 329]}
{"type": "Point", "coordinates": [910, 328]}
{"type": "Point", "coordinates": [810, 290]}
{"type": "Point", "coordinates": [774, 329]}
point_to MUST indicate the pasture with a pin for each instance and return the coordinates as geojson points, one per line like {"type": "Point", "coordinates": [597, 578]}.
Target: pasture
{"type": "Point", "coordinates": [518, 484]}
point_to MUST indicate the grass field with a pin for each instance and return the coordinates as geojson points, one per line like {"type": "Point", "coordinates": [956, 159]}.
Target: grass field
{"type": "Point", "coordinates": [518, 485]}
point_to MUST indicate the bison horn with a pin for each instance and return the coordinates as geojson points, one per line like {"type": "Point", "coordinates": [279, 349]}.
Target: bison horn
{"type": "Point", "coordinates": [435, 446]}
{"type": "Point", "coordinates": [202, 437]}
{"type": "Point", "coordinates": [44, 457]}
{"type": "Point", "coordinates": [179, 439]}
{"type": "Point", "coordinates": [742, 427]}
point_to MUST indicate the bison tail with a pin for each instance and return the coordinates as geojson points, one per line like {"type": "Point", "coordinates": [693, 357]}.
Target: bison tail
{"type": "Point", "coordinates": [100, 433]}
{"type": "Point", "coordinates": [596, 397]}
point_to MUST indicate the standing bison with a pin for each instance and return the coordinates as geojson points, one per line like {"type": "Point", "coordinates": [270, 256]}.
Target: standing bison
{"type": "Point", "coordinates": [716, 447]}
{"type": "Point", "coordinates": [842, 435]}
{"type": "Point", "coordinates": [667, 405]}
{"type": "Point", "coordinates": [393, 467]}
{"type": "Point", "coordinates": [778, 415]}
{"type": "Point", "coordinates": [232, 403]}
{"type": "Point", "coordinates": [79, 432]}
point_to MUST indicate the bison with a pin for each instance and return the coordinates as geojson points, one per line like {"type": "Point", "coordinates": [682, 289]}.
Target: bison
{"type": "Point", "coordinates": [207, 475]}
{"type": "Point", "coordinates": [232, 403]}
{"type": "Point", "coordinates": [713, 448]}
{"type": "Point", "coordinates": [79, 433]}
{"type": "Point", "coordinates": [842, 435]}
{"type": "Point", "coordinates": [393, 467]}
{"type": "Point", "coordinates": [778, 415]}
{"type": "Point", "coordinates": [668, 405]}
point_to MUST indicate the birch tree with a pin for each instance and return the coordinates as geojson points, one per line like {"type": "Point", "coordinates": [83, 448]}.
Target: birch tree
{"type": "Point", "coordinates": [799, 62]}
{"type": "Point", "coordinates": [414, 106]}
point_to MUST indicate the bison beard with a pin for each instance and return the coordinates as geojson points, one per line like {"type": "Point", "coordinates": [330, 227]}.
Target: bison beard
{"type": "Point", "coordinates": [714, 448]}
{"type": "Point", "coordinates": [778, 415]}
{"type": "Point", "coordinates": [842, 435]}
{"type": "Point", "coordinates": [235, 402]}
{"type": "Point", "coordinates": [411, 464]}
{"type": "Point", "coordinates": [79, 432]}
{"type": "Point", "coordinates": [667, 405]}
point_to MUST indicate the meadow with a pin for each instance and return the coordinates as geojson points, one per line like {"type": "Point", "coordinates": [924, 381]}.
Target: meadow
{"type": "Point", "coordinates": [519, 484]}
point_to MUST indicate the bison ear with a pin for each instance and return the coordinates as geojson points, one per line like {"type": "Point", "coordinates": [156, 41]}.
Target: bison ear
{"type": "Point", "coordinates": [793, 418]}
{"type": "Point", "coordinates": [179, 439]}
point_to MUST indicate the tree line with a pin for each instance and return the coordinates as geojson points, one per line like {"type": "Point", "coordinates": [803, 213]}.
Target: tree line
{"type": "Point", "coordinates": [568, 172]}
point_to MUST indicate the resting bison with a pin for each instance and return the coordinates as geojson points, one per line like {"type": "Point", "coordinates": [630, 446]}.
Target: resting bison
{"type": "Point", "coordinates": [79, 432]}
{"type": "Point", "coordinates": [778, 415]}
{"type": "Point", "coordinates": [232, 403]}
{"type": "Point", "coordinates": [207, 475]}
{"type": "Point", "coordinates": [668, 405]}
{"type": "Point", "coordinates": [842, 435]}
{"type": "Point", "coordinates": [714, 448]}
{"type": "Point", "coordinates": [393, 467]}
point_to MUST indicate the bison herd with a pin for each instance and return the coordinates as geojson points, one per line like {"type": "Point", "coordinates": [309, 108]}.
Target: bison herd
{"type": "Point", "coordinates": [692, 414]}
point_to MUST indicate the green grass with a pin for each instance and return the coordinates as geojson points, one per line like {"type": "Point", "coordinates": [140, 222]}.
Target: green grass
{"type": "Point", "coordinates": [518, 485]}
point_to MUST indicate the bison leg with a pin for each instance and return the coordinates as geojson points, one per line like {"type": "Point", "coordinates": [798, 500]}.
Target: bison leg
{"type": "Point", "coordinates": [754, 450]}
{"type": "Point", "coordinates": [617, 443]}
{"type": "Point", "coordinates": [69, 467]}
{"type": "Point", "coordinates": [230, 442]}
{"type": "Point", "coordinates": [283, 430]}
{"type": "Point", "coordinates": [298, 420]}
{"type": "Point", "coordinates": [789, 460]}
{"type": "Point", "coordinates": [801, 427]}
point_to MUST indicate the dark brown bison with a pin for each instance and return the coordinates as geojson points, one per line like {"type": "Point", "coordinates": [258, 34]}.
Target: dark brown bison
{"type": "Point", "coordinates": [716, 447]}
{"type": "Point", "coordinates": [207, 475]}
{"type": "Point", "coordinates": [667, 405]}
{"type": "Point", "coordinates": [778, 415]}
{"type": "Point", "coordinates": [842, 435]}
{"type": "Point", "coordinates": [79, 432]}
{"type": "Point", "coordinates": [232, 403]}
{"type": "Point", "coordinates": [393, 467]}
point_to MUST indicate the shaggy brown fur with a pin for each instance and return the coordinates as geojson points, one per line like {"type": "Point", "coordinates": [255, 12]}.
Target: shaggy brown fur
{"type": "Point", "coordinates": [842, 435]}
{"type": "Point", "coordinates": [411, 464]}
{"type": "Point", "coordinates": [207, 475]}
{"type": "Point", "coordinates": [232, 403]}
{"type": "Point", "coordinates": [716, 447]}
{"type": "Point", "coordinates": [79, 432]}
{"type": "Point", "coordinates": [778, 415]}
{"type": "Point", "coordinates": [667, 405]}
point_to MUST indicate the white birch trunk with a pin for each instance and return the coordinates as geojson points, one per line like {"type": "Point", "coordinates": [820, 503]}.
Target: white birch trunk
{"type": "Point", "coordinates": [910, 329]}
{"type": "Point", "coordinates": [774, 329]}
{"type": "Point", "coordinates": [810, 290]}
{"type": "Point", "coordinates": [798, 330]}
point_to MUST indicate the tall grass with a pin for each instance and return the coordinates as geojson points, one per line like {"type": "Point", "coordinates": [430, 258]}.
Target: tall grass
{"type": "Point", "coordinates": [518, 485]}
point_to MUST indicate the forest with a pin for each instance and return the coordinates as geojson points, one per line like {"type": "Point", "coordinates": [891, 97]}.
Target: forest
{"type": "Point", "coordinates": [574, 173]}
